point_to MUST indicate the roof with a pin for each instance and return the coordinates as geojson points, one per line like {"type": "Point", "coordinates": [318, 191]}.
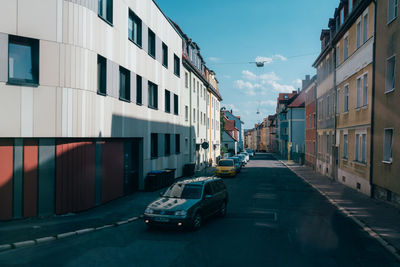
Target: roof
{"type": "Point", "coordinates": [198, 180]}
{"type": "Point", "coordinates": [229, 125]}
{"type": "Point", "coordinates": [281, 96]}
{"type": "Point", "coordinates": [299, 101]}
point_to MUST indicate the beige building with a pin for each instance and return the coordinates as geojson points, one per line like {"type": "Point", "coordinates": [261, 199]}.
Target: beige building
{"type": "Point", "coordinates": [386, 116]}
{"type": "Point", "coordinates": [353, 42]}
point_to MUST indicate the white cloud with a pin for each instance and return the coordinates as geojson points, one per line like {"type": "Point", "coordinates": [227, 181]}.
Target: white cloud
{"type": "Point", "coordinates": [281, 87]}
{"type": "Point", "coordinates": [231, 107]}
{"type": "Point", "coordinates": [249, 75]}
{"type": "Point", "coordinates": [268, 60]}
{"type": "Point", "coordinates": [271, 76]}
{"type": "Point", "coordinates": [280, 57]}
{"type": "Point", "coordinates": [214, 59]}
{"type": "Point", "coordinates": [227, 76]}
{"type": "Point", "coordinates": [298, 82]}
{"type": "Point", "coordinates": [245, 87]}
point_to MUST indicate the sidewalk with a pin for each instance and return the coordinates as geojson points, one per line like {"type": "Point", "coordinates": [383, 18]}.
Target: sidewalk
{"type": "Point", "coordinates": [27, 232]}
{"type": "Point", "coordinates": [380, 220]}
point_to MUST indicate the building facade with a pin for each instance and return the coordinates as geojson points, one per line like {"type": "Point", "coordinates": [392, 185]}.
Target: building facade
{"type": "Point", "coordinates": [309, 86]}
{"type": "Point", "coordinates": [325, 98]}
{"type": "Point", "coordinates": [282, 123]}
{"type": "Point", "coordinates": [93, 99]}
{"type": "Point", "coordinates": [353, 42]}
{"type": "Point", "coordinates": [296, 127]}
{"type": "Point", "coordinates": [271, 143]}
{"type": "Point", "coordinates": [386, 120]}
{"type": "Point", "coordinates": [239, 125]}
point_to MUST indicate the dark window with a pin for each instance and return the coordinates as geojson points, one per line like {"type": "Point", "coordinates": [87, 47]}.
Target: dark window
{"type": "Point", "coordinates": [177, 65]}
{"type": "Point", "coordinates": [152, 43]}
{"type": "Point", "coordinates": [101, 75]}
{"type": "Point", "coordinates": [154, 145]}
{"type": "Point", "coordinates": [106, 10]}
{"type": "Point", "coordinates": [208, 190]}
{"type": "Point", "coordinates": [153, 95]}
{"type": "Point", "coordinates": [167, 144]}
{"type": "Point", "coordinates": [167, 101]}
{"type": "Point", "coordinates": [139, 89]}
{"type": "Point", "coordinates": [135, 28]}
{"type": "Point", "coordinates": [176, 104]}
{"type": "Point", "coordinates": [124, 84]}
{"type": "Point", "coordinates": [177, 143]}
{"type": "Point", "coordinates": [165, 55]}
{"type": "Point", "coordinates": [23, 60]}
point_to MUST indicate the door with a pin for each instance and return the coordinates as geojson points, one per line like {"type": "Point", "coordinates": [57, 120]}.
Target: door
{"type": "Point", "coordinates": [131, 167]}
{"type": "Point", "coordinates": [208, 203]}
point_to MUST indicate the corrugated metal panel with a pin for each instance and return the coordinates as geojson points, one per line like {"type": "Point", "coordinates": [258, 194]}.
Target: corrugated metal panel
{"type": "Point", "coordinates": [6, 175]}
{"type": "Point", "coordinates": [30, 178]}
{"type": "Point", "coordinates": [46, 186]}
{"type": "Point", "coordinates": [112, 171]}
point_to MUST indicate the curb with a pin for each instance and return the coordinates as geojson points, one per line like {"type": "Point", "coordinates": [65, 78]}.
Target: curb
{"type": "Point", "coordinates": [390, 248]}
{"type": "Point", "coordinates": [48, 239]}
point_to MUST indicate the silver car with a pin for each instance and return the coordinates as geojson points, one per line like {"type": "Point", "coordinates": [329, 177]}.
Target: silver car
{"type": "Point", "coordinates": [187, 203]}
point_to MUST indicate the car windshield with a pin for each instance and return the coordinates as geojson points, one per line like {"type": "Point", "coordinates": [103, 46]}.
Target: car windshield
{"type": "Point", "coordinates": [224, 163]}
{"type": "Point", "coordinates": [185, 191]}
{"type": "Point", "coordinates": [236, 160]}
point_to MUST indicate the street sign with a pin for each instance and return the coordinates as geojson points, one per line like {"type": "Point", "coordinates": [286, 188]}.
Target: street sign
{"type": "Point", "coordinates": [205, 145]}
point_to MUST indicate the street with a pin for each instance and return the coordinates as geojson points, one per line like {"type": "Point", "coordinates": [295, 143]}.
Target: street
{"type": "Point", "coordinates": [274, 219]}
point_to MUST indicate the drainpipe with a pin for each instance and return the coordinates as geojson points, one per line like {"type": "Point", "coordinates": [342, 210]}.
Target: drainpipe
{"type": "Point", "coordinates": [373, 105]}
{"type": "Point", "coordinates": [190, 117]}
{"type": "Point", "coordinates": [336, 174]}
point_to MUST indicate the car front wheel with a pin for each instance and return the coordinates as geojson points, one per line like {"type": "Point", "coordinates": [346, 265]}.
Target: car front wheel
{"type": "Point", "coordinates": [197, 221]}
{"type": "Point", "coordinates": [223, 209]}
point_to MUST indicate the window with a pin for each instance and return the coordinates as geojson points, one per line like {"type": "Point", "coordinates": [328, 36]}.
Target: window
{"type": "Point", "coordinates": [23, 61]}
{"type": "Point", "coordinates": [124, 84]}
{"type": "Point", "coordinates": [106, 10]}
{"type": "Point", "coordinates": [337, 55]}
{"type": "Point", "coordinates": [346, 98]}
{"type": "Point", "coordinates": [176, 104]}
{"type": "Point", "coordinates": [365, 89]}
{"type": "Point", "coordinates": [358, 34]}
{"type": "Point", "coordinates": [186, 113]}
{"type": "Point", "coordinates": [177, 66]}
{"type": "Point", "coordinates": [152, 43]}
{"type": "Point", "coordinates": [364, 148]}
{"type": "Point", "coordinates": [341, 16]}
{"type": "Point", "coordinates": [101, 75]}
{"type": "Point", "coordinates": [167, 101]}
{"type": "Point", "coordinates": [167, 144]}
{"type": "Point", "coordinates": [345, 146]}
{"type": "Point", "coordinates": [346, 48]}
{"type": "Point", "coordinates": [186, 80]}
{"type": "Point", "coordinates": [390, 73]}
{"type": "Point", "coordinates": [392, 9]}
{"type": "Point", "coordinates": [135, 28]}
{"type": "Point", "coordinates": [358, 92]}
{"type": "Point", "coordinates": [357, 157]}
{"type": "Point", "coordinates": [139, 89]}
{"type": "Point", "coordinates": [350, 6]}
{"type": "Point", "coordinates": [194, 115]}
{"type": "Point", "coordinates": [387, 145]}
{"type": "Point", "coordinates": [177, 143]}
{"type": "Point", "coordinates": [314, 121]}
{"type": "Point", "coordinates": [365, 28]}
{"type": "Point", "coordinates": [154, 145]}
{"type": "Point", "coordinates": [165, 55]}
{"type": "Point", "coordinates": [153, 95]}
{"type": "Point", "coordinates": [338, 101]}
{"type": "Point", "coordinates": [194, 85]}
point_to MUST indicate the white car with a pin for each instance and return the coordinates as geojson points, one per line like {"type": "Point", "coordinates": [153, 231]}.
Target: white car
{"type": "Point", "coordinates": [247, 156]}
{"type": "Point", "coordinates": [250, 152]}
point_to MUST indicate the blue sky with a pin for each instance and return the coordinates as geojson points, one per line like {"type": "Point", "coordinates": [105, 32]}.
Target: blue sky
{"type": "Point", "coordinates": [232, 33]}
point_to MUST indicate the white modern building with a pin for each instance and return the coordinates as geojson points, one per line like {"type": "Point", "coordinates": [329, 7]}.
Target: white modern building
{"type": "Point", "coordinates": [92, 99]}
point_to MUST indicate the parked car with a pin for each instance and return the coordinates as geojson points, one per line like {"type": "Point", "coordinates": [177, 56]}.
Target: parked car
{"type": "Point", "coordinates": [247, 156]}
{"type": "Point", "coordinates": [242, 159]}
{"type": "Point", "coordinates": [251, 152]}
{"type": "Point", "coordinates": [188, 202]}
{"type": "Point", "coordinates": [238, 163]}
{"type": "Point", "coordinates": [226, 167]}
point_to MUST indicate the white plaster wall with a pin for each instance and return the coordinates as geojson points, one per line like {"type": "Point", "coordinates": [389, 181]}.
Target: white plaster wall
{"type": "Point", "coordinates": [352, 180]}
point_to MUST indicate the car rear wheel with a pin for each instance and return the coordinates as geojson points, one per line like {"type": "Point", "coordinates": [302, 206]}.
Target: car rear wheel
{"type": "Point", "coordinates": [197, 221]}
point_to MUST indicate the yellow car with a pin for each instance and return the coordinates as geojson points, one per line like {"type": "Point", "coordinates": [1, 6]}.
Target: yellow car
{"type": "Point", "coordinates": [226, 167]}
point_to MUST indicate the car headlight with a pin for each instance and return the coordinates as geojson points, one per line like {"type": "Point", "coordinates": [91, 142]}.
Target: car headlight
{"type": "Point", "coordinates": [149, 211]}
{"type": "Point", "coordinates": [180, 213]}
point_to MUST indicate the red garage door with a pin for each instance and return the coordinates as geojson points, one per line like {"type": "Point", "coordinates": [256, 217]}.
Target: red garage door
{"type": "Point", "coordinates": [6, 175]}
{"type": "Point", "coordinates": [75, 176]}
{"type": "Point", "coordinates": [112, 171]}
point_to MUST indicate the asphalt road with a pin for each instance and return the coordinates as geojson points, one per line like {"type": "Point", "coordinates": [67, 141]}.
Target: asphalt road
{"type": "Point", "coordinates": [274, 219]}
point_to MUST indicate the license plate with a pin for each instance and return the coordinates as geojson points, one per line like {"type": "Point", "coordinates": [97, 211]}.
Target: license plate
{"type": "Point", "coordinates": [161, 219]}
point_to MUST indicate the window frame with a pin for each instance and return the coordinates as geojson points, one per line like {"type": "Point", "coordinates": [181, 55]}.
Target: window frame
{"type": "Point", "coordinates": [139, 90]}
{"type": "Point", "coordinates": [153, 95]}
{"type": "Point", "coordinates": [102, 81]}
{"type": "Point", "coordinates": [151, 43]}
{"type": "Point", "coordinates": [176, 104]}
{"type": "Point", "coordinates": [365, 89]}
{"type": "Point", "coordinates": [154, 153]}
{"type": "Point", "coordinates": [346, 98]}
{"type": "Point", "coordinates": [358, 91]}
{"type": "Point", "coordinates": [394, 74]}
{"type": "Point", "coordinates": [390, 160]}
{"type": "Point", "coordinates": [395, 11]}
{"type": "Point", "coordinates": [167, 101]}
{"type": "Point", "coordinates": [167, 144]}
{"type": "Point", "coordinates": [134, 18]}
{"type": "Point", "coordinates": [165, 55]}
{"type": "Point", "coordinates": [34, 45]}
{"type": "Point", "coordinates": [177, 65]}
{"type": "Point", "coordinates": [105, 18]}
{"type": "Point", "coordinates": [358, 34]}
{"type": "Point", "coordinates": [127, 89]}
{"type": "Point", "coordinates": [177, 143]}
{"type": "Point", "coordinates": [345, 48]}
{"type": "Point", "coordinates": [365, 27]}
{"type": "Point", "coordinates": [345, 146]}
